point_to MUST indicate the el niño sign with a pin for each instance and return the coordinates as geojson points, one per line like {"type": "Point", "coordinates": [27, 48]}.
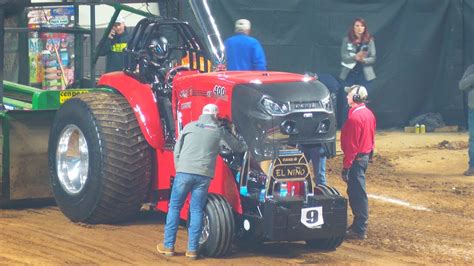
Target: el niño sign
{"type": "Point", "coordinates": [290, 167]}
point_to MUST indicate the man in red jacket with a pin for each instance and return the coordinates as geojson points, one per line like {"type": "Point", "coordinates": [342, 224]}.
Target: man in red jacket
{"type": "Point", "coordinates": [357, 142]}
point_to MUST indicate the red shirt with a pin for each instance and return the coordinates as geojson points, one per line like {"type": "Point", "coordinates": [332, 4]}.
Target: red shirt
{"type": "Point", "coordinates": [358, 133]}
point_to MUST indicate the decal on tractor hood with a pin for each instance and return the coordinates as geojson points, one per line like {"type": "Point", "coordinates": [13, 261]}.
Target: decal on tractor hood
{"type": "Point", "coordinates": [68, 94]}
{"type": "Point", "coordinates": [219, 90]}
{"type": "Point", "coordinates": [185, 105]}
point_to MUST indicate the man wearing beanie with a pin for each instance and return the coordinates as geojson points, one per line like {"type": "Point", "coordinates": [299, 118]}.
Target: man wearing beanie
{"type": "Point", "coordinates": [195, 155]}
{"type": "Point", "coordinates": [244, 52]}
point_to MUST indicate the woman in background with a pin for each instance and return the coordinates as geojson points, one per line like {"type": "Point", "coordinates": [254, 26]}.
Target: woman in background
{"type": "Point", "coordinates": [357, 59]}
{"type": "Point", "coordinates": [358, 55]}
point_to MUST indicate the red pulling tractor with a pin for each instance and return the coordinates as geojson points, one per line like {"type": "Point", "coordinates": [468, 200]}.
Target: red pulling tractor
{"type": "Point", "coordinates": [110, 150]}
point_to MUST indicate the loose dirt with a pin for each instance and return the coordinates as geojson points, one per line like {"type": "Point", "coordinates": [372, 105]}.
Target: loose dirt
{"type": "Point", "coordinates": [421, 212]}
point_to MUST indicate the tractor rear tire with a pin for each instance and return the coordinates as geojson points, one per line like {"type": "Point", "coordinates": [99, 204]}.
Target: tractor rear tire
{"type": "Point", "coordinates": [325, 243]}
{"type": "Point", "coordinates": [116, 160]}
{"type": "Point", "coordinates": [221, 226]}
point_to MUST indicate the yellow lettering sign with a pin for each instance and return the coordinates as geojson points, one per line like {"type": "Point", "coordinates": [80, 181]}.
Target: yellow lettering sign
{"type": "Point", "coordinates": [67, 94]}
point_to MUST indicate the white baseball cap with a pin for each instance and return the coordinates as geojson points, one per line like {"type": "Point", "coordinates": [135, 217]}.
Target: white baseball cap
{"type": "Point", "coordinates": [242, 25]}
{"type": "Point", "coordinates": [210, 109]}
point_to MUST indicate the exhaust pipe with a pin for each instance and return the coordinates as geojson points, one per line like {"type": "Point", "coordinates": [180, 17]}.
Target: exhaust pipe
{"type": "Point", "coordinates": [213, 39]}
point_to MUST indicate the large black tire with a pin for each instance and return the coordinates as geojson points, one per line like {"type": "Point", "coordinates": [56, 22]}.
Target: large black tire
{"type": "Point", "coordinates": [325, 243]}
{"type": "Point", "coordinates": [119, 160]}
{"type": "Point", "coordinates": [220, 226]}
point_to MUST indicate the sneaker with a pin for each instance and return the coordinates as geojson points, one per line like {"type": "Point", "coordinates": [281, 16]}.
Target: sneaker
{"type": "Point", "coordinates": [192, 254]}
{"type": "Point", "coordinates": [351, 234]}
{"type": "Point", "coordinates": [164, 250]}
{"type": "Point", "coordinates": [469, 171]}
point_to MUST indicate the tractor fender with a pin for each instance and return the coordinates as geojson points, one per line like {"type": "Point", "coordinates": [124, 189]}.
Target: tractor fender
{"type": "Point", "coordinates": [223, 184]}
{"type": "Point", "coordinates": [143, 102]}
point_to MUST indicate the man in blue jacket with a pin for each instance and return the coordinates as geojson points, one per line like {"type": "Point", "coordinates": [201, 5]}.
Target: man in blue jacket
{"type": "Point", "coordinates": [242, 51]}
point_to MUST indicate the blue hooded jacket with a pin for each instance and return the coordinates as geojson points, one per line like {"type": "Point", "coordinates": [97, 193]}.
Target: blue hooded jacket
{"type": "Point", "coordinates": [244, 53]}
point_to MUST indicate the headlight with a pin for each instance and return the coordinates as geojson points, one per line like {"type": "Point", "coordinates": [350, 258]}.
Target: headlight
{"type": "Point", "coordinates": [326, 103]}
{"type": "Point", "coordinates": [273, 107]}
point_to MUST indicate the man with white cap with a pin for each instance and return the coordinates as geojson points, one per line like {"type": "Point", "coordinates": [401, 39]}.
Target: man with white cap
{"type": "Point", "coordinates": [244, 52]}
{"type": "Point", "coordinates": [357, 142]}
{"type": "Point", "coordinates": [195, 156]}
{"type": "Point", "coordinates": [114, 46]}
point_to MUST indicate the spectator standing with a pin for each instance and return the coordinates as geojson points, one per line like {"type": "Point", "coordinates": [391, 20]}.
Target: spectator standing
{"type": "Point", "coordinates": [195, 156]}
{"type": "Point", "coordinates": [357, 58]}
{"type": "Point", "coordinates": [244, 52]}
{"type": "Point", "coordinates": [318, 153]}
{"type": "Point", "coordinates": [114, 46]}
{"type": "Point", "coordinates": [334, 86]}
{"type": "Point", "coordinates": [357, 142]}
{"type": "Point", "coordinates": [467, 85]}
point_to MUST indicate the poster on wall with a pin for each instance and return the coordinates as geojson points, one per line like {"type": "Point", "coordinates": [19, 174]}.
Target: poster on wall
{"type": "Point", "coordinates": [51, 54]}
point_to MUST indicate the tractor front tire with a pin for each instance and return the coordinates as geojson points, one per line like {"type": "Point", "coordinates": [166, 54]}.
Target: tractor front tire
{"type": "Point", "coordinates": [100, 164]}
{"type": "Point", "coordinates": [218, 227]}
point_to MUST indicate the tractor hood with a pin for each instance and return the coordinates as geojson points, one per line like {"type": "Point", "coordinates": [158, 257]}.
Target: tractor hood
{"type": "Point", "coordinates": [271, 116]}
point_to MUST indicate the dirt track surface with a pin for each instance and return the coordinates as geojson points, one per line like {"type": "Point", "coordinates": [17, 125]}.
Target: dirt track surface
{"type": "Point", "coordinates": [421, 211]}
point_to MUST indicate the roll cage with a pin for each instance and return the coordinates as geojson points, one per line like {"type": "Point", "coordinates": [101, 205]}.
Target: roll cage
{"type": "Point", "coordinates": [184, 43]}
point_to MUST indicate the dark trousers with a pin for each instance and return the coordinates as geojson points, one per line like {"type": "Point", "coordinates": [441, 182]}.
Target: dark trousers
{"type": "Point", "coordinates": [166, 114]}
{"type": "Point", "coordinates": [471, 138]}
{"type": "Point", "coordinates": [357, 194]}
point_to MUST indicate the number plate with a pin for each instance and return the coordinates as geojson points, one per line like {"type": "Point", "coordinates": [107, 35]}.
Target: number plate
{"type": "Point", "coordinates": [312, 217]}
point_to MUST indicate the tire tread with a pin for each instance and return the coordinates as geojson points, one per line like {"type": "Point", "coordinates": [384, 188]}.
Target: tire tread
{"type": "Point", "coordinates": [326, 243]}
{"type": "Point", "coordinates": [125, 158]}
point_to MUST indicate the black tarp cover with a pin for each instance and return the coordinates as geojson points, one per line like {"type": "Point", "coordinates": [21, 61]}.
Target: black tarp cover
{"type": "Point", "coordinates": [423, 46]}
{"type": "Point", "coordinates": [12, 7]}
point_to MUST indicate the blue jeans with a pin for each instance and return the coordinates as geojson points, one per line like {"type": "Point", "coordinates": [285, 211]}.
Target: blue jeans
{"type": "Point", "coordinates": [183, 184]}
{"type": "Point", "coordinates": [471, 137]}
{"type": "Point", "coordinates": [318, 158]}
{"type": "Point", "coordinates": [358, 195]}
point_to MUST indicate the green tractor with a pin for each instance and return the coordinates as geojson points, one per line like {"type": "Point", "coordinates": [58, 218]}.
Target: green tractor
{"type": "Point", "coordinates": [26, 112]}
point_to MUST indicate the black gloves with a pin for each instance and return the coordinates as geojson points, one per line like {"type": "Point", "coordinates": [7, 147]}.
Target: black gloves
{"type": "Point", "coordinates": [224, 123]}
{"type": "Point", "coordinates": [371, 156]}
{"type": "Point", "coordinates": [345, 174]}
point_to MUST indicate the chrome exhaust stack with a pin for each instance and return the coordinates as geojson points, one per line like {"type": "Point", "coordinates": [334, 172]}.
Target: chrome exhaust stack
{"type": "Point", "coordinates": [213, 39]}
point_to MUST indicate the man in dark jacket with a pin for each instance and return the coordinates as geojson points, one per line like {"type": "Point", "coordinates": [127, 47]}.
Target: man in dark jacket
{"type": "Point", "coordinates": [195, 156]}
{"type": "Point", "coordinates": [242, 51]}
{"type": "Point", "coordinates": [357, 142]}
{"type": "Point", "coordinates": [467, 85]}
{"type": "Point", "coordinates": [114, 46]}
